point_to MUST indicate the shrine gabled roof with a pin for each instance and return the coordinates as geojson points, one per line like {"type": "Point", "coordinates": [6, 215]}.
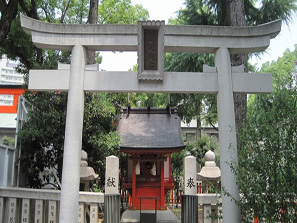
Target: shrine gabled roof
{"type": "Point", "coordinates": [143, 129]}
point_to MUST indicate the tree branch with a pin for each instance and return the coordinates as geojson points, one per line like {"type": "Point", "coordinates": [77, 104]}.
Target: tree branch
{"type": "Point", "coordinates": [46, 13]}
{"type": "Point", "coordinates": [64, 12]}
{"type": "Point", "coordinates": [212, 124]}
{"type": "Point", "coordinates": [24, 7]}
{"type": "Point", "coordinates": [32, 12]}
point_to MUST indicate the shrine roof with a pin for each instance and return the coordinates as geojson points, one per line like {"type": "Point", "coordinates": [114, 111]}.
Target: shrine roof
{"type": "Point", "coordinates": [148, 129]}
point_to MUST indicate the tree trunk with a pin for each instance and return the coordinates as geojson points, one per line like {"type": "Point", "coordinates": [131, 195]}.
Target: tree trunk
{"type": "Point", "coordinates": [8, 12]}
{"type": "Point", "coordinates": [198, 108]}
{"type": "Point", "coordinates": [92, 19]}
{"type": "Point", "coordinates": [236, 17]}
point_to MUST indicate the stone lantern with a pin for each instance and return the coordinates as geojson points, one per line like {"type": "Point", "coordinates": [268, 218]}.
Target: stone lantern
{"type": "Point", "coordinates": [87, 173]}
{"type": "Point", "coordinates": [210, 173]}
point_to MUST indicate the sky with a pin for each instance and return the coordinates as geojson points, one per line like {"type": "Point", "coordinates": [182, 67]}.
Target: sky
{"type": "Point", "coordinates": [166, 9]}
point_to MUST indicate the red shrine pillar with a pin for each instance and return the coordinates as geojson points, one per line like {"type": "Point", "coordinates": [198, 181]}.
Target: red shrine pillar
{"type": "Point", "coordinates": [162, 198]}
{"type": "Point", "coordinates": [134, 184]}
{"type": "Point", "coordinates": [169, 158]}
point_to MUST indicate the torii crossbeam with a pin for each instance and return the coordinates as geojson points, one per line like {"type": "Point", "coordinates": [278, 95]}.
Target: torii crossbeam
{"type": "Point", "coordinates": [221, 80]}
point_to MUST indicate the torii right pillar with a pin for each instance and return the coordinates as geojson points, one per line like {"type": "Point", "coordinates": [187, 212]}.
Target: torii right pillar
{"type": "Point", "coordinates": [227, 132]}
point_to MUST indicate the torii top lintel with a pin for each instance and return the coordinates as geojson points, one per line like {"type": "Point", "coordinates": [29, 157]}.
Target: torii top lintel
{"type": "Point", "coordinates": [177, 38]}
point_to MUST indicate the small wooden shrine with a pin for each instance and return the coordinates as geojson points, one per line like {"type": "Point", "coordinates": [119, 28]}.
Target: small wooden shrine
{"type": "Point", "coordinates": [149, 136]}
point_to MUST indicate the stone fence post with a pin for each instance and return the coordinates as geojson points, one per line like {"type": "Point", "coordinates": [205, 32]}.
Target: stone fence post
{"type": "Point", "coordinates": [112, 195]}
{"type": "Point", "coordinates": [189, 198]}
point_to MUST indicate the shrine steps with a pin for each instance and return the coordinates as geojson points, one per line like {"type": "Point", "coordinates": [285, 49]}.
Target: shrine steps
{"type": "Point", "coordinates": [162, 216]}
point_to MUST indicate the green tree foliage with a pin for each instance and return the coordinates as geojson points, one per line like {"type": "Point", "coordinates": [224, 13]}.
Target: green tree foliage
{"type": "Point", "coordinates": [192, 105]}
{"type": "Point", "coordinates": [44, 126]}
{"type": "Point", "coordinates": [121, 12]}
{"type": "Point", "coordinates": [8, 141]}
{"type": "Point", "coordinates": [43, 129]}
{"type": "Point", "coordinates": [201, 146]}
{"type": "Point", "coordinates": [215, 12]}
{"type": "Point", "coordinates": [197, 149]}
{"type": "Point", "coordinates": [100, 138]}
{"type": "Point", "coordinates": [177, 161]}
{"type": "Point", "coordinates": [267, 172]}
{"type": "Point", "coordinates": [147, 99]}
{"type": "Point", "coordinates": [177, 167]}
{"type": "Point", "coordinates": [42, 136]}
{"type": "Point", "coordinates": [198, 12]}
{"type": "Point", "coordinates": [8, 11]}
{"type": "Point", "coordinates": [267, 11]}
{"type": "Point", "coordinates": [223, 13]}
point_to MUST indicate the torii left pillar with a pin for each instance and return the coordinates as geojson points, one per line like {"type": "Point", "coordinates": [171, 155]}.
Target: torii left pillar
{"type": "Point", "coordinates": [73, 137]}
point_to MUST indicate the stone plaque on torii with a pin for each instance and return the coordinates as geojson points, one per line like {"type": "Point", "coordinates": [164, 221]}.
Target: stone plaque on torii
{"type": "Point", "coordinates": [151, 39]}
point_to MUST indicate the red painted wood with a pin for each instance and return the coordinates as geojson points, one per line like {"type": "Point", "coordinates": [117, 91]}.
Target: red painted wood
{"type": "Point", "coordinates": [134, 183]}
{"type": "Point", "coordinates": [169, 158]}
{"type": "Point", "coordinates": [162, 201]}
{"type": "Point", "coordinates": [148, 185]}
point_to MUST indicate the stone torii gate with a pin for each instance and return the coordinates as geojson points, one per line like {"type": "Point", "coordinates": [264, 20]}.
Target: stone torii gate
{"type": "Point", "coordinates": [151, 39]}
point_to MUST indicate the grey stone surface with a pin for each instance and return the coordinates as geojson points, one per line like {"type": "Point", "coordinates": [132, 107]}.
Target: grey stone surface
{"type": "Point", "coordinates": [86, 172]}
{"type": "Point", "coordinates": [190, 175]}
{"type": "Point", "coordinates": [158, 51]}
{"type": "Point", "coordinates": [212, 199]}
{"type": "Point", "coordinates": [162, 216]}
{"type": "Point", "coordinates": [207, 213]}
{"type": "Point", "coordinates": [25, 210]}
{"type": "Point", "coordinates": [112, 175]}
{"type": "Point", "coordinates": [227, 131]}
{"type": "Point", "coordinates": [173, 82]}
{"type": "Point", "coordinates": [73, 137]}
{"type": "Point", "coordinates": [112, 208]}
{"type": "Point", "coordinates": [35, 194]}
{"type": "Point", "coordinates": [210, 172]}
{"type": "Point", "coordinates": [189, 212]}
{"type": "Point", "coordinates": [176, 38]}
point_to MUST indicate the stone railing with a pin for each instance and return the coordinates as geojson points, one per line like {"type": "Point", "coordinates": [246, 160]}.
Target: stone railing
{"type": "Point", "coordinates": [42, 206]}
{"type": "Point", "coordinates": [209, 206]}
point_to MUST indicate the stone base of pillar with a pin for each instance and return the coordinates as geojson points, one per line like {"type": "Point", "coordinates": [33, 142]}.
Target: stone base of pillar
{"type": "Point", "coordinates": [112, 208]}
{"type": "Point", "coordinates": [189, 212]}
